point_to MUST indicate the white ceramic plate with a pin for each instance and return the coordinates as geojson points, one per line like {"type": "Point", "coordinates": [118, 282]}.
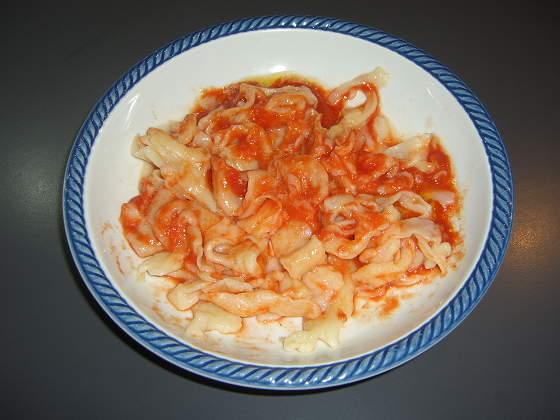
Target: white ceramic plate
{"type": "Point", "coordinates": [422, 96]}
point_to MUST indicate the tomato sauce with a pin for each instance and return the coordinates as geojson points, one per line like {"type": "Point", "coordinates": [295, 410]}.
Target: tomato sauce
{"type": "Point", "coordinates": [331, 115]}
{"type": "Point", "coordinates": [233, 180]}
{"type": "Point", "coordinates": [376, 173]}
{"type": "Point", "coordinates": [367, 171]}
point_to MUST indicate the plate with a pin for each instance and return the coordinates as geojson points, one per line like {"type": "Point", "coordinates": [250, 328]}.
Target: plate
{"type": "Point", "coordinates": [422, 95]}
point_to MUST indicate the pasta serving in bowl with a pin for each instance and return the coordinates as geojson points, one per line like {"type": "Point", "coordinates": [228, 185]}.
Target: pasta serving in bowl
{"type": "Point", "coordinates": [262, 205]}
{"type": "Point", "coordinates": [298, 218]}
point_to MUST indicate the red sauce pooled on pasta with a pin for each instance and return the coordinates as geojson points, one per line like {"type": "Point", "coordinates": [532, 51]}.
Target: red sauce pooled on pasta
{"type": "Point", "coordinates": [280, 143]}
{"type": "Point", "coordinates": [368, 164]}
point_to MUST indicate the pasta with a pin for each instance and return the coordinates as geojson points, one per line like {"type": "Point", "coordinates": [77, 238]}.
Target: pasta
{"type": "Point", "coordinates": [283, 200]}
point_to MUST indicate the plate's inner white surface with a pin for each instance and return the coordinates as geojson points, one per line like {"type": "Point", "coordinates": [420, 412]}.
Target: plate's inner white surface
{"type": "Point", "coordinates": [414, 102]}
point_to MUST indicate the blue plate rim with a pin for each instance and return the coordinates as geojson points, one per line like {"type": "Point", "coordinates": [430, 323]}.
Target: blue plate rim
{"type": "Point", "coordinates": [289, 378]}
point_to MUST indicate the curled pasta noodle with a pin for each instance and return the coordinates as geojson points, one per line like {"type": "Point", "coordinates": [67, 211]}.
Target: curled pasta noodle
{"type": "Point", "coordinates": [228, 245]}
{"type": "Point", "coordinates": [305, 259]}
{"type": "Point", "coordinates": [183, 168]}
{"type": "Point", "coordinates": [293, 235]}
{"type": "Point", "coordinates": [324, 282]}
{"type": "Point", "coordinates": [377, 274]}
{"type": "Point", "coordinates": [327, 326]}
{"type": "Point", "coordinates": [285, 200]}
{"type": "Point", "coordinates": [229, 186]}
{"type": "Point", "coordinates": [210, 317]}
{"type": "Point", "coordinates": [350, 229]}
{"type": "Point", "coordinates": [263, 301]}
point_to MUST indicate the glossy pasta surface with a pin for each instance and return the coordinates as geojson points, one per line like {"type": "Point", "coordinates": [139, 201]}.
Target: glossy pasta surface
{"type": "Point", "coordinates": [282, 199]}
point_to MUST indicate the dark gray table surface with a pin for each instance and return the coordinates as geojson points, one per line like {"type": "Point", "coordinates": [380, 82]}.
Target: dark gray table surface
{"type": "Point", "coordinates": [62, 357]}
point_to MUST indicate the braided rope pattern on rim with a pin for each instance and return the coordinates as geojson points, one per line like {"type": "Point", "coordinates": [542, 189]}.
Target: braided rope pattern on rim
{"type": "Point", "coordinates": [292, 378]}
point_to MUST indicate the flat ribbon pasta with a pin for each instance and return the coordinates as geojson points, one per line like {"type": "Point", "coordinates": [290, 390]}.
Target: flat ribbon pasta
{"type": "Point", "coordinates": [286, 200]}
